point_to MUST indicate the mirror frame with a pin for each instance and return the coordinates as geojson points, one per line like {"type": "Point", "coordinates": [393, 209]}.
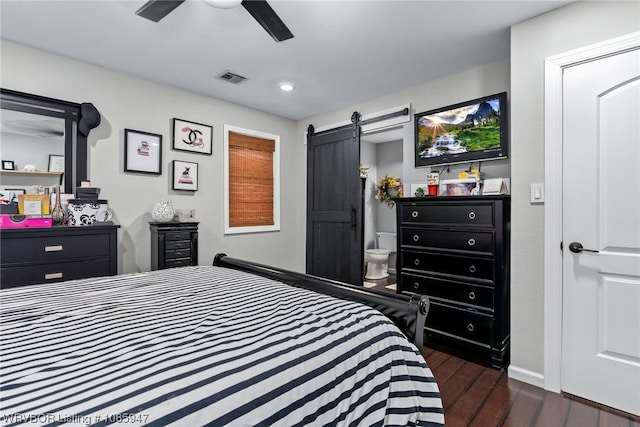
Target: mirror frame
{"type": "Point", "coordinates": [75, 144]}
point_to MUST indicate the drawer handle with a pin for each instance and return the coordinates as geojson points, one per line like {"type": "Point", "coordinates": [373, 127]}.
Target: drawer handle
{"type": "Point", "coordinates": [50, 276]}
{"type": "Point", "coordinates": [414, 214]}
{"type": "Point", "coordinates": [472, 215]}
{"type": "Point", "coordinates": [472, 269]}
{"type": "Point", "coordinates": [55, 248]}
{"type": "Point", "coordinates": [416, 262]}
{"type": "Point", "coordinates": [416, 285]}
{"type": "Point", "coordinates": [416, 237]}
{"type": "Point", "coordinates": [470, 327]}
{"type": "Point", "coordinates": [472, 295]}
{"type": "Point", "coordinates": [471, 242]}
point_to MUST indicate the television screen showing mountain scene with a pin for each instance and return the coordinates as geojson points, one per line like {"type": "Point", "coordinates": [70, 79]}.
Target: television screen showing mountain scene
{"type": "Point", "coordinates": [468, 128]}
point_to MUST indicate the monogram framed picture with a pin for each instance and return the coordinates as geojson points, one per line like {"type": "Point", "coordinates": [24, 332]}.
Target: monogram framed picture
{"type": "Point", "coordinates": [193, 137]}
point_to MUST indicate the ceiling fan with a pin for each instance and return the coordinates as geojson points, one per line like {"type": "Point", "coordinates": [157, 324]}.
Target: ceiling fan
{"type": "Point", "coordinates": [155, 10]}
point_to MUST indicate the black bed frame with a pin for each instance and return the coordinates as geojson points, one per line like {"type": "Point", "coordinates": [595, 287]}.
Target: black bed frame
{"type": "Point", "coordinates": [407, 312]}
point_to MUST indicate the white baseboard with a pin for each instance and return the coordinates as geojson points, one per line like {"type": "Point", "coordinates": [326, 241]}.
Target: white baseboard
{"type": "Point", "coordinates": [526, 376]}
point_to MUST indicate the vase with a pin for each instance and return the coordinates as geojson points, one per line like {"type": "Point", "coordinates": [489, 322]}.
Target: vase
{"type": "Point", "coordinates": [162, 211]}
{"type": "Point", "coordinates": [57, 213]}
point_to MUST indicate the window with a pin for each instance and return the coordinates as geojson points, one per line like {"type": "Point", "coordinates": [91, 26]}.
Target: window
{"type": "Point", "coordinates": [252, 187]}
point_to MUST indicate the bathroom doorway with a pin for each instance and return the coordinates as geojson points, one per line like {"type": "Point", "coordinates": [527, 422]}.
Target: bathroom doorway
{"type": "Point", "coordinates": [380, 152]}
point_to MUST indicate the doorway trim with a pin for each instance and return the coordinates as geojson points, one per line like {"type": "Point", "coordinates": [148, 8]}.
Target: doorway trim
{"type": "Point", "coordinates": [553, 69]}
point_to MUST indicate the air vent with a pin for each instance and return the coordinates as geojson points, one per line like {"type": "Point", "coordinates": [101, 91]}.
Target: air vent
{"type": "Point", "coordinates": [230, 77]}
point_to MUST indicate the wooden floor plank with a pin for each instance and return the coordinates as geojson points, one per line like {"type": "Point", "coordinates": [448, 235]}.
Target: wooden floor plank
{"type": "Point", "coordinates": [582, 415]}
{"type": "Point", "coordinates": [447, 369]}
{"type": "Point", "coordinates": [609, 419]}
{"type": "Point", "coordinates": [554, 410]}
{"type": "Point", "coordinates": [469, 403]}
{"type": "Point", "coordinates": [497, 405]}
{"type": "Point", "coordinates": [457, 385]}
{"type": "Point", "coordinates": [526, 406]}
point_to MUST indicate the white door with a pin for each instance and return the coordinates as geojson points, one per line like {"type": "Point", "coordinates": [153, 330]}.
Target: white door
{"type": "Point", "coordinates": [601, 211]}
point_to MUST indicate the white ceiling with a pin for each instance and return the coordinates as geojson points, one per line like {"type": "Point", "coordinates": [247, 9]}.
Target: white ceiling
{"type": "Point", "coordinates": [342, 53]}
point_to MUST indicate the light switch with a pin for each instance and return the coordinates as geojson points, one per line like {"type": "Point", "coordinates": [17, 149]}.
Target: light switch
{"type": "Point", "coordinates": [537, 193]}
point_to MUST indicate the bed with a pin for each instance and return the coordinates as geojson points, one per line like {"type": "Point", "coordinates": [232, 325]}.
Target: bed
{"type": "Point", "coordinates": [236, 343]}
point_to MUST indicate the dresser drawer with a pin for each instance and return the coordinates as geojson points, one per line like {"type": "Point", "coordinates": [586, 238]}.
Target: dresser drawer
{"type": "Point", "coordinates": [481, 269]}
{"type": "Point", "coordinates": [451, 290]}
{"type": "Point", "coordinates": [458, 240]}
{"type": "Point", "coordinates": [177, 235]}
{"type": "Point", "coordinates": [179, 253]}
{"type": "Point", "coordinates": [177, 244]}
{"type": "Point", "coordinates": [54, 248]}
{"type": "Point", "coordinates": [180, 262]}
{"type": "Point", "coordinates": [462, 323]}
{"type": "Point", "coordinates": [449, 214]}
{"type": "Point", "coordinates": [55, 272]}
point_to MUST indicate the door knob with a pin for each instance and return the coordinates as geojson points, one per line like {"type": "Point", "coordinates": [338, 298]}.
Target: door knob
{"type": "Point", "coordinates": [576, 248]}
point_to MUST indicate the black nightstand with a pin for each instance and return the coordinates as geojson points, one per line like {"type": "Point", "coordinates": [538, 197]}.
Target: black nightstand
{"type": "Point", "coordinates": [173, 244]}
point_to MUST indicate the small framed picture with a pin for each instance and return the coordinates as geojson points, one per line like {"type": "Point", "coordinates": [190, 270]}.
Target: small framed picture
{"type": "Point", "coordinates": [459, 187]}
{"type": "Point", "coordinates": [8, 165]}
{"type": "Point", "coordinates": [56, 163]}
{"type": "Point", "coordinates": [142, 152]}
{"type": "Point", "coordinates": [192, 136]}
{"type": "Point", "coordinates": [185, 175]}
{"type": "Point", "coordinates": [10, 195]}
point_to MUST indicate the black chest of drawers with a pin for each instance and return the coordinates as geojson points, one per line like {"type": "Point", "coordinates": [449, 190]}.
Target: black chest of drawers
{"type": "Point", "coordinates": [173, 244]}
{"type": "Point", "coordinates": [42, 255]}
{"type": "Point", "coordinates": [456, 251]}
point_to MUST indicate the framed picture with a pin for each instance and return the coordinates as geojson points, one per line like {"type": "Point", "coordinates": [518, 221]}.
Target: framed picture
{"type": "Point", "coordinates": [8, 165]}
{"type": "Point", "coordinates": [142, 152]}
{"type": "Point", "coordinates": [193, 137]}
{"type": "Point", "coordinates": [185, 175]}
{"type": "Point", "coordinates": [459, 187]}
{"type": "Point", "coordinates": [10, 195]}
{"type": "Point", "coordinates": [56, 163]}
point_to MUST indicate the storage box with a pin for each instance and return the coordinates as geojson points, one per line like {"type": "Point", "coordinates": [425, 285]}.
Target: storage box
{"type": "Point", "coordinates": [25, 221]}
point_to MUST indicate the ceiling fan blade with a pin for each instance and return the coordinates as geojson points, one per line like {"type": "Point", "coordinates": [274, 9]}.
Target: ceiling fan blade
{"type": "Point", "coordinates": [267, 17]}
{"type": "Point", "coordinates": [155, 10]}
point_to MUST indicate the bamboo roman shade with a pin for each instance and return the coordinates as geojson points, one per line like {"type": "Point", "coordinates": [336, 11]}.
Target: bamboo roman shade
{"type": "Point", "coordinates": [251, 181]}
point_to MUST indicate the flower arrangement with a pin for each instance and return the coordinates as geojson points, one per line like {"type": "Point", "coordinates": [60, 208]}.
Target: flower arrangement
{"type": "Point", "coordinates": [388, 188]}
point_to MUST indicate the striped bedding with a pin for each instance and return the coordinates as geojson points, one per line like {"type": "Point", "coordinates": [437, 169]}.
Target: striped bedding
{"type": "Point", "coordinates": [204, 346]}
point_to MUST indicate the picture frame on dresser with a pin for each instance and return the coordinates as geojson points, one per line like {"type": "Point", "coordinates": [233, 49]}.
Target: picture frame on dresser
{"type": "Point", "coordinates": [142, 152]}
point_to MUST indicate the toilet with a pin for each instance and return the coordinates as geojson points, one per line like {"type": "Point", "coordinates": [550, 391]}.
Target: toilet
{"type": "Point", "coordinates": [378, 259]}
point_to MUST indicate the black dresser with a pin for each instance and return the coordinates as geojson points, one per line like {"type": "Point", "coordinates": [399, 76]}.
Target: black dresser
{"type": "Point", "coordinates": [173, 244]}
{"type": "Point", "coordinates": [41, 255]}
{"type": "Point", "coordinates": [456, 251]}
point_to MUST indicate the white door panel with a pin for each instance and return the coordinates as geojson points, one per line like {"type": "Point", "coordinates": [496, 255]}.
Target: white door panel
{"type": "Point", "coordinates": [601, 210]}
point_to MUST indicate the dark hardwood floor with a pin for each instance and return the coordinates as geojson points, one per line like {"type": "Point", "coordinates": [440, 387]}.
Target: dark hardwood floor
{"type": "Point", "coordinates": [477, 395]}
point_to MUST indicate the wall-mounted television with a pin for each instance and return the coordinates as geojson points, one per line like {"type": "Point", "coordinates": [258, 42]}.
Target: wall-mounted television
{"type": "Point", "coordinates": [466, 132]}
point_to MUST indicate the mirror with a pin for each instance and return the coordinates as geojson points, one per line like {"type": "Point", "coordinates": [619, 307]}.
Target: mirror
{"type": "Point", "coordinates": [41, 134]}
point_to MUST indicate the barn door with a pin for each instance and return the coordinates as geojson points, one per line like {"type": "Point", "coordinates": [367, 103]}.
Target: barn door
{"type": "Point", "coordinates": [334, 203]}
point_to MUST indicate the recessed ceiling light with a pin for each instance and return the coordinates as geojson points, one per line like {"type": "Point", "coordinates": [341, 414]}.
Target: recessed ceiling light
{"type": "Point", "coordinates": [287, 87]}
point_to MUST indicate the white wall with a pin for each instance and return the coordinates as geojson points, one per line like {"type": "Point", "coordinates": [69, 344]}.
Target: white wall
{"type": "Point", "coordinates": [369, 158]}
{"type": "Point", "coordinates": [474, 83]}
{"type": "Point", "coordinates": [389, 163]}
{"type": "Point", "coordinates": [129, 102]}
{"type": "Point", "coordinates": [568, 28]}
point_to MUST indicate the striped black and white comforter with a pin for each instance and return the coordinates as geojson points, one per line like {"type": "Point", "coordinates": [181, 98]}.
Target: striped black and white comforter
{"type": "Point", "coordinates": [204, 346]}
